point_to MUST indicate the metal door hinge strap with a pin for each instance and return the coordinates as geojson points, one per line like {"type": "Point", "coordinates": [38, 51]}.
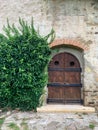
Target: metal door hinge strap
{"type": "Point", "coordinates": [65, 69]}
{"type": "Point", "coordinates": [64, 100]}
{"type": "Point", "coordinates": [63, 85]}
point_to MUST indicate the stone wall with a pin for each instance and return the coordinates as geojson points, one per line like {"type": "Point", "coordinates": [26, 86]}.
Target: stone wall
{"type": "Point", "coordinates": [75, 20]}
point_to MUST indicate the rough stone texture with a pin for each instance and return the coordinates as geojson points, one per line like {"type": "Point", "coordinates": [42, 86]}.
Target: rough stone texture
{"type": "Point", "coordinates": [71, 19]}
{"type": "Point", "coordinates": [52, 121]}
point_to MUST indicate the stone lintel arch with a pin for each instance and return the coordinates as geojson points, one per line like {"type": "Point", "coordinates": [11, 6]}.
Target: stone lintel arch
{"type": "Point", "coordinates": [70, 42]}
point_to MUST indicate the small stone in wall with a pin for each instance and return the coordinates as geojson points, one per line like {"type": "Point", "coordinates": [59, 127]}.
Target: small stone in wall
{"type": "Point", "coordinates": [96, 107]}
{"type": "Point", "coordinates": [96, 32]}
{"type": "Point", "coordinates": [96, 7]}
{"type": "Point", "coordinates": [91, 19]}
{"type": "Point", "coordinates": [96, 79]}
{"type": "Point", "coordinates": [88, 70]}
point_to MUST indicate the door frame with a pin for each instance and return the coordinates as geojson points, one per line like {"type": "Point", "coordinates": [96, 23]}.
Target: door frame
{"type": "Point", "coordinates": [78, 54]}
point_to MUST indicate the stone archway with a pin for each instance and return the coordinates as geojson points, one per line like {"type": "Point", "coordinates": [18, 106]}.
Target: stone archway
{"type": "Point", "coordinates": [74, 47]}
{"type": "Point", "coordinates": [74, 43]}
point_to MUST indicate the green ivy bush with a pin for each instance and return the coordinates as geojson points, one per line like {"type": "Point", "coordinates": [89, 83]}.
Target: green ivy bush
{"type": "Point", "coordinates": [24, 55]}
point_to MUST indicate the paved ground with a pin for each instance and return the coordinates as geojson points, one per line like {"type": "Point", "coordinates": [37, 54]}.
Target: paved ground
{"type": "Point", "coordinates": [49, 121]}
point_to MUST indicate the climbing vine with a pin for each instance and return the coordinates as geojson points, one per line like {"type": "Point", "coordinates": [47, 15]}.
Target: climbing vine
{"type": "Point", "coordinates": [24, 55]}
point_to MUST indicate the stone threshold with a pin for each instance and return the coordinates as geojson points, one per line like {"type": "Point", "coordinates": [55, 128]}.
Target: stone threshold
{"type": "Point", "coordinates": [65, 108]}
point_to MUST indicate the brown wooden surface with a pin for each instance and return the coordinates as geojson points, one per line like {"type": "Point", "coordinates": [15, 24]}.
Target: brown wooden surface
{"type": "Point", "coordinates": [64, 93]}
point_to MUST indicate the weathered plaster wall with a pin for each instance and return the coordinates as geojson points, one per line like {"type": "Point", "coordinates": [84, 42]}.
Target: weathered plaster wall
{"type": "Point", "coordinates": [71, 19]}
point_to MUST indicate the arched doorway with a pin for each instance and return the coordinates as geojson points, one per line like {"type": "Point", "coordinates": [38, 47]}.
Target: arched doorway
{"type": "Point", "coordinates": [64, 83]}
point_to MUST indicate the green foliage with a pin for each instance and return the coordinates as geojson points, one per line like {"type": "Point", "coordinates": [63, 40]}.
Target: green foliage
{"type": "Point", "coordinates": [24, 55]}
{"type": "Point", "coordinates": [91, 126]}
{"type": "Point", "coordinates": [24, 125]}
{"type": "Point", "coordinates": [1, 121]}
{"type": "Point", "coordinates": [13, 126]}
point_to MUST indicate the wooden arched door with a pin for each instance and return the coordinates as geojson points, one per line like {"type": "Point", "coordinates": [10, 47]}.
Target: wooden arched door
{"type": "Point", "coordinates": [64, 83]}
